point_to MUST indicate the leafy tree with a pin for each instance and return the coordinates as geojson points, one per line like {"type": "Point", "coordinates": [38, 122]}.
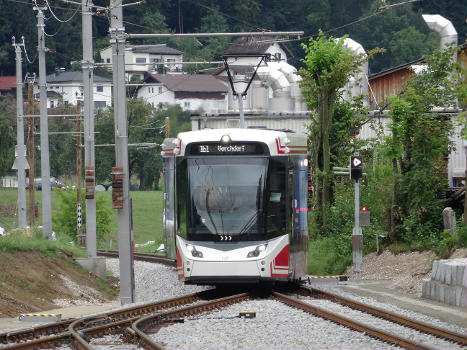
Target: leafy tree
{"type": "Point", "coordinates": [419, 142]}
{"type": "Point", "coordinates": [145, 125]}
{"type": "Point", "coordinates": [8, 137]}
{"type": "Point", "coordinates": [216, 23]}
{"type": "Point", "coordinates": [328, 68]}
{"type": "Point", "coordinates": [105, 155]}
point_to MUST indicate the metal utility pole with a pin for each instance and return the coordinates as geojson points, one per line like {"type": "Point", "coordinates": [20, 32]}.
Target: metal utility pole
{"type": "Point", "coordinates": [31, 155]}
{"type": "Point", "coordinates": [117, 34]}
{"type": "Point", "coordinates": [20, 160]}
{"type": "Point", "coordinates": [88, 78]}
{"type": "Point", "coordinates": [79, 201]}
{"type": "Point", "coordinates": [44, 126]}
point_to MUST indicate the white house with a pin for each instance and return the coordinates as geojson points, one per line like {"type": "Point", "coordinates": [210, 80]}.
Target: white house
{"type": "Point", "coordinates": [66, 88]}
{"type": "Point", "coordinates": [140, 59]}
{"type": "Point", "coordinates": [192, 92]}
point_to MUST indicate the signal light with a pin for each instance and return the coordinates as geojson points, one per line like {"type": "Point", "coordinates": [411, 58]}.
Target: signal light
{"type": "Point", "coordinates": [364, 209]}
{"type": "Point", "coordinates": [356, 167]}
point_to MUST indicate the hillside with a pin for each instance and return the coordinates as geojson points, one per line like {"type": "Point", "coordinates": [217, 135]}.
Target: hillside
{"type": "Point", "coordinates": [394, 25]}
{"type": "Point", "coordinates": [30, 282]}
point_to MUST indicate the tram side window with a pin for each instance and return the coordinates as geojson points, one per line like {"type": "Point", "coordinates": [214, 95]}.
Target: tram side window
{"type": "Point", "coordinates": [181, 187]}
{"type": "Point", "coordinates": [276, 210]}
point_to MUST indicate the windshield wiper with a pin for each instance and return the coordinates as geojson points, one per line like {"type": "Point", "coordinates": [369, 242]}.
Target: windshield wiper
{"type": "Point", "coordinates": [249, 223]}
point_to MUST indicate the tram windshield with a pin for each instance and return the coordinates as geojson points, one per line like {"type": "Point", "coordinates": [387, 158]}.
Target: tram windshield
{"type": "Point", "coordinates": [226, 196]}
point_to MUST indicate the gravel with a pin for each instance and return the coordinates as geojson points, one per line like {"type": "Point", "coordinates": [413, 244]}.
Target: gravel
{"type": "Point", "coordinates": [384, 325]}
{"type": "Point", "coordinates": [155, 281]}
{"type": "Point", "coordinates": [392, 308]}
{"type": "Point", "coordinates": [276, 326]}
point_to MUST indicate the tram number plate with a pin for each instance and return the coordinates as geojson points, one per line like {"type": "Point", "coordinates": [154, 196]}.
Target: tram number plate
{"type": "Point", "coordinates": [224, 238]}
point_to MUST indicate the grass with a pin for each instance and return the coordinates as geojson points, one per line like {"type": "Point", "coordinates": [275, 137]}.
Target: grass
{"type": "Point", "coordinates": [147, 218]}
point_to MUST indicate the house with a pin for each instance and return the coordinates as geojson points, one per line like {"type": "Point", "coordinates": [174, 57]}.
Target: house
{"type": "Point", "coordinates": [273, 98]}
{"type": "Point", "coordinates": [191, 92]}
{"type": "Point", "coordinates": [390, 82]}
{"type": "Point", "coordinates": [7, 84]}
{"type": "Point", "coordinates": [66, 88]}
{"type": "Point", "coordinates": [141, 59]}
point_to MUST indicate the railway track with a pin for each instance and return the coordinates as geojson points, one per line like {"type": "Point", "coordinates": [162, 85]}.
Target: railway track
{"type": "Point", "coordinates": [138, 325]}
{"type": "Point", "coordinates": [141, 257]}
{"type": "Point", "coordinates": [56, 334]}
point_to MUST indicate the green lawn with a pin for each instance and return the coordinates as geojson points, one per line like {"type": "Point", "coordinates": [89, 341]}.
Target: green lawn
{"type": "Point", "coordinates": [147, 214]}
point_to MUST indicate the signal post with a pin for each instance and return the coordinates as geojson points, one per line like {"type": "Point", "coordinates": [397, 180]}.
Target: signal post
{"type": "Point", "coordinates": [356, 173]}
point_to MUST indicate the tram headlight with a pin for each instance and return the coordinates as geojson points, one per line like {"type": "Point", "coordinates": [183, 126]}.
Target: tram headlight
{"type": "Point", "coordinates": [225, 139]}
{"type": "Point", "coordinates": [259, 249]}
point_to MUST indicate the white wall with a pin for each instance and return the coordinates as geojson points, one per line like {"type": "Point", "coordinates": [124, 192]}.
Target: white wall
{"type": "Point", "coordinates": [156, 94]}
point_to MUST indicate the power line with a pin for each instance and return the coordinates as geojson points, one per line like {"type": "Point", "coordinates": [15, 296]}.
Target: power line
{"type": "Point", "coordinates": [58, 19]}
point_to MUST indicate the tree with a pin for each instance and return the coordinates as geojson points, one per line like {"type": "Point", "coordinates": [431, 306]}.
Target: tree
{"type": "Point", "coordinates": [328, 68]}
{"type": "Point", "coordinates": [8, 137]}
{"type": "Point", "coordinates": [418, 145]}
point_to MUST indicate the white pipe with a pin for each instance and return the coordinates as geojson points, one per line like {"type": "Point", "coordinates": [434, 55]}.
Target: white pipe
{"type": "Point", "coordinates": [274, 77]}
{"type": "Point", "coordinates": [444, 27]}
{"type": "Point", "coordinates": [357, 84]}
{"type": "Point", "coordinates": [288, 70]}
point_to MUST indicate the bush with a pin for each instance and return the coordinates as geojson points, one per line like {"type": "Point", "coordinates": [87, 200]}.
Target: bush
{"type": "Point", "coordinates": [64, 221]}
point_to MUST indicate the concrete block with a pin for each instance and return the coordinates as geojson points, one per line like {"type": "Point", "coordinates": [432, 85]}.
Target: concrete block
{"type": "Point", "coordinates": [446, 273]}
{"type": "Point", "coordinates": [449, 295]}
{"type": "Point", "coordinates": [458, 300]}
{"type": "Point", "coordinates": [434, 269]}
{"type": "Point", "coordinates": [96, 265]}
{"type": "Point", "coordinates": [438, 270]}
{"type": "Point", "coordinates": [426, 288]}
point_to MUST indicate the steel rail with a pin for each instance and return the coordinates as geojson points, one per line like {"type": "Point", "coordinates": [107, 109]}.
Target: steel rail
{"type": "Point", "coordinates": [83, 334]}
{"type": "Point", "coordinates": [35, 332]}
{"type": "Point", "coordinates": [417, 325]}
{"type": "Point", "coordinates": [349, 323]}
{"type": "Point", "coordinates": [44, 336]}
{"type": "Point", "coordinates": [145, 322]}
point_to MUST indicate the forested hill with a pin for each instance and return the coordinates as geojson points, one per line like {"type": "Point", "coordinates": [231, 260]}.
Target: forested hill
{"type": "Point", "coordinates": [395, 25]}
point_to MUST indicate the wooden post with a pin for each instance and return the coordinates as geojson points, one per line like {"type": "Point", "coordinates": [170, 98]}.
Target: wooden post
{"type": "Point", "coordinates": [31, 156]}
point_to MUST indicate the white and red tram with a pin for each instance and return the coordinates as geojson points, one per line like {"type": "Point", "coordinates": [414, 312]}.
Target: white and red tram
{"type": "Point", "coordinates": [236, 205]}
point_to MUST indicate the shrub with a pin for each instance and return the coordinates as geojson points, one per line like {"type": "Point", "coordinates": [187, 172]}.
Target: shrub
{"type": "Point", "coordinates": [64, 220]}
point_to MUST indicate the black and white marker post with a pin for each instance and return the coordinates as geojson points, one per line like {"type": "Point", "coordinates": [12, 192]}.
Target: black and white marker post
{"type": "Point", "coordinates": [356, 172]}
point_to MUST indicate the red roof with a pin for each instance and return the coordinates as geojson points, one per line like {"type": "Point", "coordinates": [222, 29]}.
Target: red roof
{"type": "Point", "coordinates": [7, 82]}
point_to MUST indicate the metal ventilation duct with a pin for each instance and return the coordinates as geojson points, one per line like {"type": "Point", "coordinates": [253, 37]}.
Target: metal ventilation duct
{"type": "Point", "coordinates": [444, 28]}
{"type": "Point", "coordinates": [358, 84]}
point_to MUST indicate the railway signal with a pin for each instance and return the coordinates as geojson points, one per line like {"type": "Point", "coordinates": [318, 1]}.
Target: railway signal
{"type": "Point", "coordinates": [356, 167]}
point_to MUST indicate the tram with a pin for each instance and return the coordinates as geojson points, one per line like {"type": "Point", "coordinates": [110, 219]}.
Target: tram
{"type": "Point", "coordinates": [236, 205]}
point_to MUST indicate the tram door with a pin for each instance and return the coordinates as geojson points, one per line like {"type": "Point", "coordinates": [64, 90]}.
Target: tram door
{"type": "Point", "coordinates": [300, 217]}
{"type": "Point", "coordinates": [169, 206]}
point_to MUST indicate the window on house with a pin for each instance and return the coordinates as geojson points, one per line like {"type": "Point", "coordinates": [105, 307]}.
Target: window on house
{"type": "Point", "coordinates": [186, 104]}
{"type": "Point", "coordinates": [108, 60]}
{"type": "Point", "coordinates": [99, 88]}
{"type": "Point", "coordinates": [52, 104]}
{"type": "Point", "coordinates": [140, 59]}
{"type": "Point", "coordinates": [99, 104]}
{"type": "Point", "coordinates": [66, 103]}
{"type": "Point", "coordinates": [160, 89]}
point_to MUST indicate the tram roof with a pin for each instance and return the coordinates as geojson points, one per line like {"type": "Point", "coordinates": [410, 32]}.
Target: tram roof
{"type": "Point", "coordinates": [279, 142]}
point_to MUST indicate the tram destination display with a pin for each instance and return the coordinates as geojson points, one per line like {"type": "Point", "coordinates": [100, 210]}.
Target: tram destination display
{"type": "Point", "coordinates": [230, 149]}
